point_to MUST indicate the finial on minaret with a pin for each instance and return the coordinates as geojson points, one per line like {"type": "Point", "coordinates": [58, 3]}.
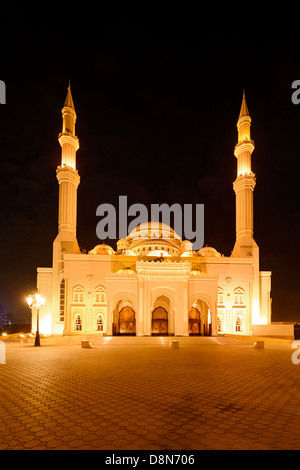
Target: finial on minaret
{"type": "Point", "coordinates": [244, 108]}
{"type": "Point", "coordinates": [244, 121]}
{"type": "Point", "coordinates": [69, 100]}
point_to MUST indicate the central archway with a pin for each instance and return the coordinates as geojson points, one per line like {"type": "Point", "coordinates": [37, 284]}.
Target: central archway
{"type": "Point", "coordinates": [162, 316]}
{"type": "Point", "coordinates": [159, 322]}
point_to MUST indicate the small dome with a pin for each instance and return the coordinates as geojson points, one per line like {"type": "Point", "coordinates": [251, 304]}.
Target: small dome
{"type": "Point", "coordinates": [126, 252]}
{"type": "Point", "coordinates": [189, 253]}
{"type": "Point", "coordinates": [208, 251]}
{"type": "Point", "coordinates": [126, 271]}
{"type": "Point", "coordinates": [102, 249]}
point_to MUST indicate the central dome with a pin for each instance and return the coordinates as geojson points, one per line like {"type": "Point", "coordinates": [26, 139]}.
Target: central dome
{"type": "Point", "coordinates": [150, 230]}
{"type": "Point", "coordinates": [153, 238]}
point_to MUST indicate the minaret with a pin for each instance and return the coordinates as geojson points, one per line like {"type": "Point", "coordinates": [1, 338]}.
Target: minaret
{"type": "Point", "coordinates": [245, 245]}
{"type": "Point", "coordinates": [244, 186]}
{"type": "Point", "coordinates": [67, 175]}
{"type": "Point", "coordinates": [65, 242]}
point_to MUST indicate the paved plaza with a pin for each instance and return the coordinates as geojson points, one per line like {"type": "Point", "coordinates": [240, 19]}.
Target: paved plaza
{"type": "Point", "coordinates": [137, 393]}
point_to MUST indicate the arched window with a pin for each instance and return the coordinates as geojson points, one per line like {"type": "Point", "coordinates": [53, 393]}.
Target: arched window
{"type": "Point", "coordinates": [78, 294]}
{"type": "Point", "coordinates": [100, 295]}
{"type": "Point", "coordinates": [78, 324]}
{"type": "Point", "coordinates": [62, 296]}
{"type": "Point", "coordinates": [239, 296]}
{"type": "Point", "coordinates": [99, 323]}
{"type": "Point", "coordinates": [238, 323]}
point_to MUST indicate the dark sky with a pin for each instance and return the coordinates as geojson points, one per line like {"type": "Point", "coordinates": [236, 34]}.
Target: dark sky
{"type": "Point", "coordinates": [157, 100]}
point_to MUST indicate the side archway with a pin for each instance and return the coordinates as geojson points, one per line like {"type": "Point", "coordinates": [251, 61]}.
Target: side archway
{"type": "Point", "coordinates": [200, 318]}
{"type": "Point", "coordinates": [194, 321]}
{"type": "Point", "coordinates": [206, 304]}
{"type": "Point", "coordinates": [124, 318]}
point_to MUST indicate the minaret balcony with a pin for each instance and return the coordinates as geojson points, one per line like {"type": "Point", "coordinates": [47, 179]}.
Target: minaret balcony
{"type": "Point", "coordinates": [68, 138]}
{"type": "Point", "coordinates": [246, 145]}
{"type": "Point", "coordinates": [67, 174]}
{"type": "Point", "coordinates": [245, 181]}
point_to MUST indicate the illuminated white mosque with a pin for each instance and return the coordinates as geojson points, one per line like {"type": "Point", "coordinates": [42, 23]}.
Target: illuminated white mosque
{"type": "Point", "coordinates": [152, 285]}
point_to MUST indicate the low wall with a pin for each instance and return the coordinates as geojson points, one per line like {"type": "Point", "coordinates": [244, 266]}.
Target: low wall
{"type": "Point", "coordinates": [279, 330]}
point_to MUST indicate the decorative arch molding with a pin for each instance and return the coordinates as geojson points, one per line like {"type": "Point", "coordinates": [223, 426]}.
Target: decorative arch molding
{"type": "Point", "coordinates": [128, 297]}
{"type": "Point", "coordinates": [125, 303]}
{"type": "Point", "coordinates": [239, 290]}
{"type": "Point", "coordinates": [238, 314]}
{"type": "Point", "coordinates": [78, 311]}
{"type": "Point", "coordinates": [201, 295]}
{"type": "Point", "coordinates": [78, 287]}
{"type": "Point", "coordinates": [99, 287]}
{"type": "Point", "coordinates": [163, 291]}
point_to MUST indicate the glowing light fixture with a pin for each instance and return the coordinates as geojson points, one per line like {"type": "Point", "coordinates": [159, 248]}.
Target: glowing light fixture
{"type": "Point", "coordinates": [38, 302]}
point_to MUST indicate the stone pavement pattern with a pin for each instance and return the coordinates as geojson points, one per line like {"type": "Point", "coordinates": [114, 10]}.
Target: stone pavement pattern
{"type": "Point", "coordinates": [137, 393]}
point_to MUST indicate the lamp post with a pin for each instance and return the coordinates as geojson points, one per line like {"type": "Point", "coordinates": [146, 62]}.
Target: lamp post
{"type": "Point", "coordinates": [38, 302]}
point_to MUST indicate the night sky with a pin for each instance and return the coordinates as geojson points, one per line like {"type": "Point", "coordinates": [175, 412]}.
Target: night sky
{"type": "Point", "coordinates": [157, 100]}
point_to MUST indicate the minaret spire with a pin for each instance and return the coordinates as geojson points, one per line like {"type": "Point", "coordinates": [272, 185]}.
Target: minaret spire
{"type": "Point", "coordinates": [68, 130]}
{"type": "Point", "coordinates": [245, 182]}
{"type": "Point", "coordinates": [67, 175]}
{"type": "Point", "coordinates": [244, 108]}
{"type": "Point", "coordinates": [69, 100]}
{"type": "Point", "coordinates": [245, 145]}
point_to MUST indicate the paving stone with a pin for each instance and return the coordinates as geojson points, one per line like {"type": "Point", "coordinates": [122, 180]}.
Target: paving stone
{"type": "Point", "coordinates": [129, 393]}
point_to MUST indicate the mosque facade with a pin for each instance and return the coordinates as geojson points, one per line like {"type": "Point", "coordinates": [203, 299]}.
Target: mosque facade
{"type": "Point", "coordinates": [154, 283]}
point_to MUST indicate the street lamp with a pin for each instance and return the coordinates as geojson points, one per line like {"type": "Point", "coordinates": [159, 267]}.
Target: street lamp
{"type": "Point", "coordinates": [37, 302]}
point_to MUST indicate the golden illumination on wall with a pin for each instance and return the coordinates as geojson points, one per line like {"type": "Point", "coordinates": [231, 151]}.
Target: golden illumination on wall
{"type": "Point", "coordinates": [46, 324]}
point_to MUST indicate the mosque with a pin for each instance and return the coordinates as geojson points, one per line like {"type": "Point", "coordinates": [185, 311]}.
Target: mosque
{"type": "Point", "coordinates": [152, 284]}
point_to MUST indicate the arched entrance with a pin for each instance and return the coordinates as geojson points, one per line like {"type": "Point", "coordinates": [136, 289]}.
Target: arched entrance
{"type": "Point", "coordinates": [200, 318]}
{"type": "Point", "coordinates": [162, 316]}
{"type": "Point", "coordinates": [194, 322]}
{"type": "Point", "coordinates": [159, 322]}
{"type": "Point", "coordinates": [123, 318]}
{"type": "Point", "coordinates": [127, 321]}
